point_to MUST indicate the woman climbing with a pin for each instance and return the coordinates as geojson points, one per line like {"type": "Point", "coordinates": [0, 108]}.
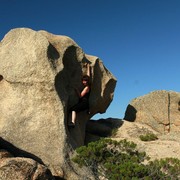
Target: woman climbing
{"type": "Point", "coordinates": [83, 103]}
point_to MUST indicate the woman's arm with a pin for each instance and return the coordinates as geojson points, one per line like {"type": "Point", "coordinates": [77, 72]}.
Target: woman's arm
{"type": "Point", "coordinates": [84, 91]}
{"type": "Point", "coordinates": [88, 70]}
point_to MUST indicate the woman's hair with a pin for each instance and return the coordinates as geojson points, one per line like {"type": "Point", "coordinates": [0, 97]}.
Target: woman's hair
{"type": "Point", "coordinates": [86, 78]}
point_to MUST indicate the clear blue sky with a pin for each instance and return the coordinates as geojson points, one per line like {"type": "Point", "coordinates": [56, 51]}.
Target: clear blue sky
{"type": "Point", "coordinates": [137, 40]}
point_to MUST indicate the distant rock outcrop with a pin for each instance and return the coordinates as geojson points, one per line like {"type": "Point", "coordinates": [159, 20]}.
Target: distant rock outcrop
{"type": "Point", "coordinates": [158, 109]}
{"type": "Point", "coordinates": [38, 73]}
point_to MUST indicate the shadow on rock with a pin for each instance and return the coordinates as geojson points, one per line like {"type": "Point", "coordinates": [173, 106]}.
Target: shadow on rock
{"type": "Point", "coordinates": [18, 152]}
{"type": "Point", "coordinates": [130, 114]}
{"type": "Point", "coordinates": [97, 129]}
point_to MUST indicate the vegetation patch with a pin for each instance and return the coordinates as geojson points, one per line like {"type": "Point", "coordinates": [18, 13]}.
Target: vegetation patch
{"type": "Point", "coordinates": [120, 160]}
{"type": "Point", "coordinates": [148, 137]}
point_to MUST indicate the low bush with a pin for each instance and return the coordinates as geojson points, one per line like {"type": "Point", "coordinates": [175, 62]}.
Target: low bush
{"type": "Point", "coordinates": [168, 168]}
{"type": "Point", "coordinates": [148, 137]}
{"type": "Point", "coordinates": [122, 161]}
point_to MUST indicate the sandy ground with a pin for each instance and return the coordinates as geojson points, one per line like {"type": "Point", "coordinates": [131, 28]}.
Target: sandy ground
{"type": "Point", "coordinates": [167, 145]}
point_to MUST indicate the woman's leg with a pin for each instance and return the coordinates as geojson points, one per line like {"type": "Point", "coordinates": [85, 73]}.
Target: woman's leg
{"type": "Point", "coordinates": [81, 106]}
{"type": "Point", "coordinates": [73, 117]}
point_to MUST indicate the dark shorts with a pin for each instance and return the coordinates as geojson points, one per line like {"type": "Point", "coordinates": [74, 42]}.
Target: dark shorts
{"type": "Point", "coordinates": [80, 106]}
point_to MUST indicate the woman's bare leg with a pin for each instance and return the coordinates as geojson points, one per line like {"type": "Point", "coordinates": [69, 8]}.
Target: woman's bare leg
{"type": "Point", "coordinates": [74, 116]}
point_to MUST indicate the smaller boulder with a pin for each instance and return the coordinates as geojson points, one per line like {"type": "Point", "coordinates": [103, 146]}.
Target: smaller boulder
{"type": "Point", "coordinates": [23, 168]}
{"type": "Point", "coordinates": [158, 109]}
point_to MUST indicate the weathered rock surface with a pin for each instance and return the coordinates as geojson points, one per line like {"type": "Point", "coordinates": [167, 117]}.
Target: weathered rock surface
{"type": "Point", "coordinates": [158, 109]}
{"type": "Point", "coordinates": [5, 154]}
{"type": "Point", "coordinates": [23, 168]}
{"type": "Point", "coordinates": [38, 73]}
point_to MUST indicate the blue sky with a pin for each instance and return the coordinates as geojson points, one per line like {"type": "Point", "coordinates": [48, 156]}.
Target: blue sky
{"type": "Point", "coordinates": [137, 40]}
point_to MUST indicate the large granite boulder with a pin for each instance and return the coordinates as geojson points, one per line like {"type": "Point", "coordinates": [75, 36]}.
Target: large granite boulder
{"type": "Point", "coordinates": [158, 109]}
{"type": "Point", "coordinates": [38, 73]}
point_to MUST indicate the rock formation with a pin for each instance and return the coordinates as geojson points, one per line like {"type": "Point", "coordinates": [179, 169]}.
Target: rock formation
{"type": "Point", "coordinates": [158, 109]}
{"type": "Point", "coordinates": [38, 73]}
{"type": "Point", "coordinates": [22, 168]}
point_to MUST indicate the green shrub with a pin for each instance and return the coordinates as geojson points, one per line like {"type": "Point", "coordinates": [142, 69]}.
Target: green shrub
{"type": "Point", "coordinates": [168, 168]}
{"type": "Point", "coordinates": [148, 137]}
{"type": "Point", "coordinates": [112, 159]}
{"type": "Point", "coordinates": [121, 161]}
